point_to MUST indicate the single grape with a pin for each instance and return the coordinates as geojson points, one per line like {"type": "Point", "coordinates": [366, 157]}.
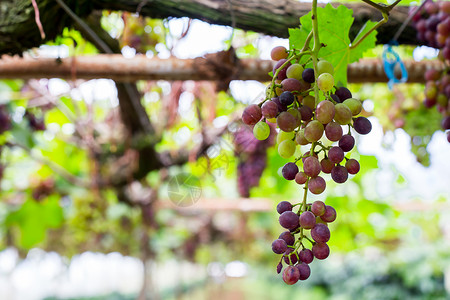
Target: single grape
{"type": "Point", "coordinates": [320, 233]}
{"type": "Point", "coordinates": [308, 154]}
{"type": "Point", "coordinates": [317, 185]}
{"type": "Point", "coordinates": [279, 246]}
{"type": "Point", "coordinates": [305, 271]}
{"type": "Point", "coordinates": [261, 131]}
{"type": "Point", "coordinates": [329, 214]}
{"type": "Point", "coordinates": [343, 114]}
{"type": "Point", "coordinates": [352, 166]}
{"type": "Point", "coordinates": [290, 254]}
{"type": "Point", "coordinates": [295, 71]}
{"type": "Point", "coordinates": [286, 148]}
{"type": "Point", "coordinates": [339, 174]}
{"type": "Point", "coordinates": [324, 66]}
{"type": "Point", "coordinates": [289, 220]}
{"type": "Point", "coordinates": [281, 107]}
{"type": "Point", "coordinates": [326, 165]}
{"type": "Point", "coordinates": [291, 84]}
{"type": "Point", "coordinates": [252, 114]}
{"type": "Point", "coordinates": [314, 131]}
{"type": "Point", "coordinates": [278, 53]}
{"type": "Point", "coordinates": [301, 178]}
{"type": "Point", "coordinates": [432, 75]}
{"type": "Point", "coordinates": [325, 82]}
{"type": "Point", "coordinates": [333, 131]}
{"type": "Point", "coordinates": [335, 154]}
{"type": "Point", "coordinates": [343, 93]}
{"type": "Point", "coordinates": [269, 109]}
{"type": "Point", "coordinates": [287, 237]}
{"type": "Point", "coordinates": [307, 220]}
{"type": "Point", "coordinates": [306, 112]}
{"type": "Point", "coordinates": [325, 111]}
{"type": "Point", "coordinates": [308, 75]}
{"type": "Point", "coordinates": [282, 136]}
{"type": "Point", "coordinates": [300, 138]}
{"type": "Point", "coordinates": [318, 208]}
{"type": "Point", "coordinates": [289, 171]}
{"type": "Point", "coordinates": [284, 206]}
{"type": "Point", "coordinates": [362, 125]}
{"type": "Point", "coordinates": [291, 275]}
{"type": "Point", "coordinates": [354, 104]}
{"type": "Point", "coordinates": [306, 256]}
{"type": "Point", "coordinates": [347, 142]}
{"type": "Point", "coordinates": [311, 166]}
{"type": "Point", "coordinates": [286, 121]}
{"type": "Point", "coordinates": [309, 101]}
{"type": "Point", "coordinates": [335, 98]}
{"type": "Point", "coordinates": [321, 251]}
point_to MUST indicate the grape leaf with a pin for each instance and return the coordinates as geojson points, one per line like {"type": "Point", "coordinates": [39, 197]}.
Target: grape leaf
{"type": "Point", "coordinates": [334, 26]}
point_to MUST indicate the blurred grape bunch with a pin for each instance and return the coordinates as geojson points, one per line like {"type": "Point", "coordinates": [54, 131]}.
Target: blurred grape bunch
{"type": "Point", "coordinates": [252, 156]}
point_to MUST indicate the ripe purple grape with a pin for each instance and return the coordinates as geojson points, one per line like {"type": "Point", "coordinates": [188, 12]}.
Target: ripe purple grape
{"type": "Point", "coordinates": [347, 142]}
{"type": "Point", "coordinates": [280, 106]}
{"type": "Point", "coordinates": [289, 171]}
{"type": "Point", "coordinates": [291, 85]}
{"type": "Point", "coordinates": [446, 123]}
{"type": "Point", "coordinates": [301, 178]}
{"type": "Point", "coordinates": [326, 165]}
{"type": "Point", "coordinates": [352, 166]}
{"type": "Point", "coordinates": [321, 251]}
{"type": "Point", "coordinates": [306, 256]}
{"type": "Point", "coordinates": [308, 75]}
{"type": "Point", "coordinates": [269, 109]}
{"type": "Point", "coordinates": [343, 93]}
{"type": "Point", "coordinates": [304, 270]}
{"type": "Point", "coordinates": [307, 220]}
{"type": "Point", "coordinates": [252, 114]}
{"type": "Point", "coordinates": [286, 121]}
{"type": "Point", "coordinates": [329, 214]}
{"type": "Point", "coordinates": [325, 111]}
{"type": "Point", "coordinates": [317, 185]}
{"type": "Point", "coordinates": [311, 166]}
{"type": "Point", "coordinates": [318, 208]}
{"type": "Point", "coordinates": [306, 113]}
{"type": "Point", "coordinates": [333, 131]}
{"type": "Point", "coordinates": [279, 246]}
{"type": "Point", "coordinates": [287, 237]}
{"type": "Point", "coordinates": [362, 125]}
{"type": "Point", "coordinates": [289, 220]}
{"type": "Point", "coordinates": [291, 275]}
{"type": "Point", "coordinates": [320, 233]}
{"type": "Point", "coordinates": [335, 154]}
{"type": "Point", "coordinates": [292, 255]}
{"type": "Point", "coordinates": [339, 174]}
{"type": "Point", "coordinates": [284, 206]}
{"type": "Point", "coordinates": [287, 98]}
{"type": "Point", "coordinates": [279, 267]}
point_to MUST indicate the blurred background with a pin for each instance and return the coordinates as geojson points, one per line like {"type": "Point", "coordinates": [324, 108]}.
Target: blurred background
{"type": "Point", "coordinates": [99, 203]}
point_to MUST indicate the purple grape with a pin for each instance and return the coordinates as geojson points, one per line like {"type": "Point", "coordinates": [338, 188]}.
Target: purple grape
{"type": "Point", "coordinates": [269, 109]}
{"type": "Point", "coordinates": [279, 246]}
{"type": "Point", "coordinates": [306, 256]}
{"type": "Point", "coordinates": [284, 206]}
{"type": "Point", "coordinates": [291, 85]}
{"type": "Point", "coordinates": [301, 178]}
{"type": "Point", "coordinates": [311, 166]}
{"type": "Point", "coordinates": [282, 73]}
{"type": "Point", "coordinates": [339, 174]}
{"type": "Point", "coordinates": [333, 131]}
{"type": "Point", "coordinates": [343, 93]}
{"type": "Point", "coordinates": [304, 271]}
{"type": "Point", "coordinates": [321, 251]}
{"type": "Point", "coordinates": [362, 125]}
{"type": "Point", "coordinates": [352, 166]}
{"type": "Point", "coordinates": [347, 142]}
{"type": "Point", "coordinates": [287, 237]}
{"type": "Point", "coordinates": [280, 106]}
{"type": "Point", "coordinates": [329, 215]}
{"type": "Point", "coordinates": [279, 267]}
{"type": "Point", "coordinates": [336, 98]}
{"type": "Point", "coordinates": [446, 123]}
{"type": "Point", "coordinates": [287, 98]}
{"type": "Point", "coordinates": [317, 185]}
{"type": "Point", "coordinates": [308, 75]}
{"type": "Point", "coordinates": [290, 253]}
{"type": "Point", "coordinates": [335, 154]}
{"type": "Point", "coordinates": [252, 114]}
{"type": "Point", "coordinates": [318, 208]}
{"type": "Point", "coordinates": [291, 275]}
{"type": "Point", "coordinates": [307, 220]}
{"type": "Point", "coordinates": [306, 113]}
{"type": "Point", "coordinates": [289, 220]}
{"type": "Point", "coordinates": [320, 233]}
{"type": "Point", "coordinates": [326, 165]}
{"type": "Point", "coordinates": [289, 171]}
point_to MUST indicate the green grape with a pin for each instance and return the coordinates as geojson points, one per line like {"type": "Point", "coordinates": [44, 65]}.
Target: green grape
{"type": "Point", "coordinates": [325, 82]}
{"type": "Point", "coordinates": [325, 111]}
{"type": "Point", "coordinates": [286, 148]}
{"type": "Point", "coordinates": [295, 71]}
{"type": "Point", "coordinates": [309, 101]}
{"type": "Point", "coordinates": [283, 135]}
{"type": "Point", "coordinates": [354, 104]}
{"type": "Point", "coordinates": [300, 137]}
{"type": "Point", "coordinates": [261, 131]}
{"type": "Point", "coordinates": [343, 114]}
{"type": "Point", "coordinates": [324, 66]}
{"type": "Point", "coordinates": [314, 131]}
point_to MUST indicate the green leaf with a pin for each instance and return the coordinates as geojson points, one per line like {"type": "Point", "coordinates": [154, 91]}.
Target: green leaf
{"type": "Point", "coordinates": [334, 26]}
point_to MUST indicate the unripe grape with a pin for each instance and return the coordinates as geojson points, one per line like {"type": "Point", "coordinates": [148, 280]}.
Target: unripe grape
{"type": "Point", "coordinates": [295, 71]}
{"type": "Point", "coordinates": [286, 148]}
{"type": "Point", "coordinates": [282, 136]}
{"type": "Point", "coordinates": [309, 101]}
{"type": "Point", "coordinates": [354, 104]}
{"type": "Point", "coordinates": [326, 165]}
{"type": "Point", "coordinates": [325, 111]}
{"type": "Point", "coordinates": [325, 82]}
{"type": "Point", "coordinates": [314, 131]}
{"type": "Point", "coordinates": [278, 53]}
{"type": "Point", "coordinates": [300, 138]}
{"type": "Point", "coordinates": [252, 114]}
{"type": "Point", "coordinates": [343, 114]}
{"type": "Point", "coordinates": [324, 66]}
{"type": "Point", "coordinates": [261, 131]}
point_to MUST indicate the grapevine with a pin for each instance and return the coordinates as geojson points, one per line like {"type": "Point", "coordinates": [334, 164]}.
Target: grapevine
{"type": "Point", "coordinates": [311, 109]}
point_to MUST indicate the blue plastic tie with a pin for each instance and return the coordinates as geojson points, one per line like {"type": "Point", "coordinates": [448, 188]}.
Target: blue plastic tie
{"type": "Point", "coordinates": [389, 65]}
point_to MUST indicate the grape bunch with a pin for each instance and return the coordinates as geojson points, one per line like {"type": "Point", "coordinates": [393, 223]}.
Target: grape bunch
{"type": "Point", "coordinates": [310, 111]}
{"type": "Point", "coordinates": [437, 93]}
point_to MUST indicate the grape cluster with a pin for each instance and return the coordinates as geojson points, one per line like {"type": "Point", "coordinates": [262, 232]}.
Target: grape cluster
{"type": "Point", "coordinates": [294, 252]}
{"type": "Point", "coordinates": [432, 23]}
{"type": "Point", "coordinates": [309, 111]}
